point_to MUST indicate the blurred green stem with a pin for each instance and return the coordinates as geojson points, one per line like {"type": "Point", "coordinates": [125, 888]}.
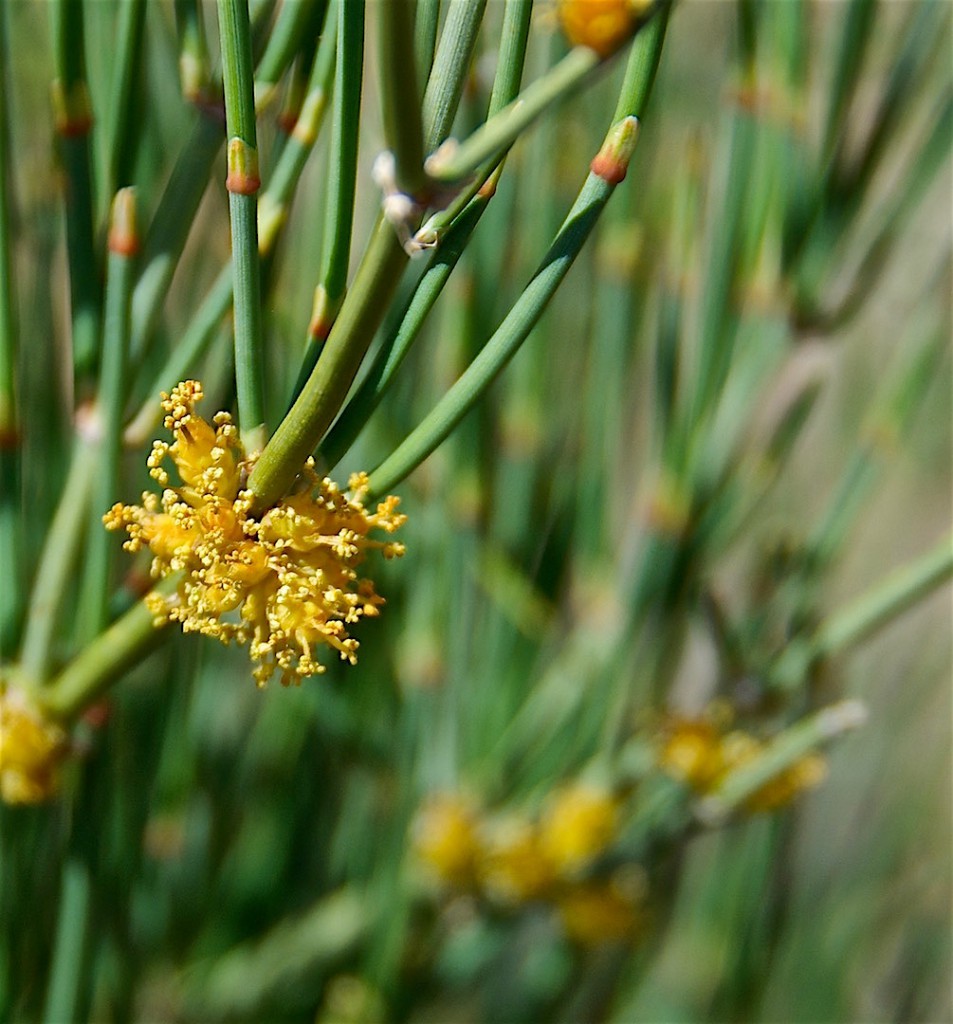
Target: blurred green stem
{"type": "Point", "coordinates": [73, 122]}
{"type": "Point", "coordinates": [885, 602]}
{"type": "Point", "coordinates": [11, 593]}
{"type": "Point", "coordinates": [871, 611]}
{"type": "Point", "coordinates": [51, 586]}
{"type": "Point", "coordinates": [243, 182]}
{"type": "Point", "coordinates": [101, 546]}
{"type": "Point", "coordinates": [400, 98]}
{"type": "Point", "coordinates": [103, 661]}
{"type": "Point", "coordinates": [283, 41]}
{"type": "Point", "coordinates": [342, 173]}
{"type": "Point", "coordinates": [70, 953]}
{"type": "Point", "coordinates": [122, 135]}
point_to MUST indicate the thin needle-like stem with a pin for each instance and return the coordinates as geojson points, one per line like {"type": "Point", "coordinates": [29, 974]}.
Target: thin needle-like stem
{"type": "Point", "coordinates": [243, 182]}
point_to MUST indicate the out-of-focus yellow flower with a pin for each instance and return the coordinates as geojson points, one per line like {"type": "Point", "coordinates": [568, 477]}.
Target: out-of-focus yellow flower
{"type": "Point", "coordinates": [515, 867]}
{"type": "Point", "coordinates": [285, 584]}
{"type": "Point", "coordinates": [691, 752]}
{"type": "Point", "coordinates": [806, 773]}
{"type": "Point", "coordinates": [446, 838]}
{"type": "Point", "coordinates": [31, 750]}
{"type": "Point", "coordinates": [599, 912]}
{"type": "Point", "coordinates": [602, 25]}
{"type": "Point", "coordinates": [578, 825]}
{"type": "Point", "coordinates": [699, 754]}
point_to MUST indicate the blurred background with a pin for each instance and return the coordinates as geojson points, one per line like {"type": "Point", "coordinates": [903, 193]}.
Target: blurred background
{"type": "Point", "coordinates": [733, 421]}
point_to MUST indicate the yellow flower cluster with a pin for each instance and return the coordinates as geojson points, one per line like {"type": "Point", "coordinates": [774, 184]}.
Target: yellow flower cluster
{"type": "Point", "coordinates": [602, 25]}
{"type": "Point", "coordinates": [700, 753]}
{"type": "Point", "coordinates": [284, 584]}
{"type": "Point", "coordinates": [547, 859]}
{"type": "Point", "coordinates": [31, 750]}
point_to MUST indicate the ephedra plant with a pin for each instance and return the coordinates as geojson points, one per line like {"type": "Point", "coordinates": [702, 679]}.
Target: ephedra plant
{"type": "Point", "coordinates": [253, 334]}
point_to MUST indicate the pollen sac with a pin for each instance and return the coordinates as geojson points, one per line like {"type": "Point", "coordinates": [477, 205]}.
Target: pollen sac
{"type": "Point", "coordinates": [287, 584]}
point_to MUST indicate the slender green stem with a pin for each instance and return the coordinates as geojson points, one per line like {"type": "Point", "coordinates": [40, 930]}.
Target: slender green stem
{"type": "Point", "coordinates": [609, 168]}
{"type": "Point", "coordinates": [11, 593]}
{"type": "Point", "coordinates": [361, 314]}
{"type": "Point", "coordinates": [285, 39]}
{"type": "Point", "coordinates": [113, 386]}
{"type": "Point", "coordinates": [73, 122]}
{"type": "Point", "coordinates": [783, 751]}
{"type": "Point", "coordinates": [272, 210]}
{"type": "Point", "coordinates": [454, 52]}
{"type": "Point", "coordinates": [70, 953]}
{"type": "Point", "coordinates": [243, 182]}
{"type": "Point", "coordinates": [858, 20]}
{"type": "Point", "coordinates": [885, 602]}
{"type": "Point", "coordinates": [342, 174]}
{"type": "Point", "coordinates": [514, 37]}
{"type": "Point", "coordinates": [397, 342]}
{"type": "Point", "coordinates": [121, 134]}
{"type": "Point", "coordinates": [321, 398]}
{"type": "Point", "coordinates": [515, 327]}
{"type": "Point", "coordinates": [103, 661]}
{"type": "Point", "coordinates": [453, 162]}
{"type": "Point", "coordinates": [273, 204]}
{"type": "Point", "coordinates": [400, 98]}
{"type": "Point", "coordinates": [51, 586]}
{"type": "Point", "coordinates": [425, 36]}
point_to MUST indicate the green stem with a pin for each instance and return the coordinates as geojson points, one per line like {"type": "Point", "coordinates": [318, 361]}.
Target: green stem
{"type": "Point", "coordinates": [285, 38]}
{"type": "Point", "coordinates": [342, 174]}
{"type": "Point", "coordinates": [447, 76]}
{"type": "Point", "coordinates": [51, 586]}
{"type": "Point", "coordinates": [103, 661]}
{"type": "Point", "coordinates": [70, 954]}
{"type": "Point", "coordinates": [459, 227]}
{"type": "Point", "coordinates": [514, 37]}
{"type": "Point", "coordinates": [121, 134]}
{"type": "Point", "coordinates": [400, 98]}
{"type": "Point", "coordinates": [321, 398]}
{"type": "Point", "coordinates": [11, 593]}
{"type": "Point", "coordinates": [514, 330]}
{"type": "Point", "coordinates": [73, 122]}
{"type": "Point", "coordinates": [272, 206]}
{"type": "Point", "coordinates": [243, 183]}
{"type": "Point", "coordinates": [425, 36]}
{"type": "Point", "coordinates": [609, 168]}
{"type": "Point", "coordinates": [361, 314]}
{"type": "Point", "coordinates": [453, 162]}
{"type": "Point", "coordinates": [397, 342]}
{"type": "Point", "coordinates": [885, 602]}
{"type": "Point", "coordinates": [113, 385]}
{"type": "Point", "coordinates": [272, 209]}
